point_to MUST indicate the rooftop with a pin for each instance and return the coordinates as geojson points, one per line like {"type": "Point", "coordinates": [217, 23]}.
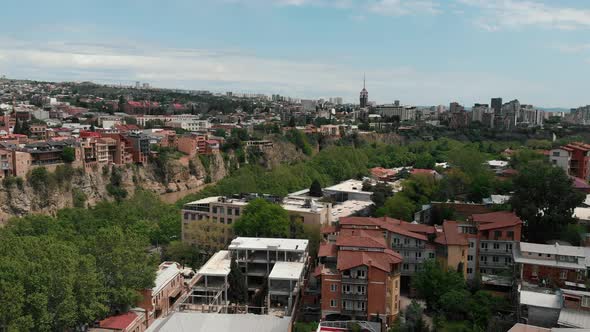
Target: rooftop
{"type": "Point", "coordinates": [287, 271]}
{"type": "Point", "coordinates": [349, 208]}
{"type": "Point", "coordinates": [205, 322]}
{"type": "Point", "coordinates": [349, 186]}
{"type": "Point", "coordinates": [256, 243]}
{"type": "Point", "coordinates": [119, 322]}
{"type": "Point", "coordinates": [165, 274]}
{"type": "Point", "coordinates": [217, 265]}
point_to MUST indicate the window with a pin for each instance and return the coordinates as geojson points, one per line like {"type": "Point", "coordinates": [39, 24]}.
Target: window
{"type": "Point", "coordinates": [222, 220]}
{"type": "Point", "coordinates": [406, 241]}
{"type": "Point", "coordinates": [346, 289]}
{"type": "Point", "coordinates": [237, 212]}
{"type": "Point", "coordinates": [360, 290]}
{"type": "Point", "coordinates": [497, 234]}
{"type": "Point", "coordinates": [417, 242]}
{"type": "Point", "coordinates": [419, 254]}
{"type": "Point", "coordinates": [511, 235]}
{"type": "Point", "coordinates": [229, 221]}
{"type": "Point", "coordinates": [586, 301]}
{"type": "Point", "coordinates": [229, 211]}
{"type": "Point", "coordinates": [333, 287]}
{"type": "Point", "coordinates": [555, 154]}
{"type": "Point", "coordinates": [469, 257]}
{"type": "Point", "coordinates": [471, 244]}
{"type": "Point", "coordinates": [186, 215]}
{"type": "Point", "coordinates": [361, 274]}
{"type": "Point", "coordinates": [483, 258]}
{"type": "Point", "coordinates": [535, 271]}
{"type": "Point", "coordinates": [215, 209]}
{"type": "Point", "coordinates": [495, 259]}
{"type": "Point", "coordinates": [395, 240]}
{"type": "Point", "coordinates": [431, 255]}
{"type": "Point", "coordinates": [580, 275]}
{"type": "Point", "coordinates": [507, 260]}
{"type": "Point", "coordinates": [563, 274]}
{"type": "Point", "coordinates": [482, 271]}
{"type": "Point", "coordinates": [469, 270]}
{"type": "Point", "coordinates": [406, 266]}
{"type": "Point", "coordinates": [333, 303]}
{"type": "Point", "coordinates": [496, 246]}
{"type": "Point", "coordinates": [463, 253]}
{"type": "Point", "coordinates": [484, 245]}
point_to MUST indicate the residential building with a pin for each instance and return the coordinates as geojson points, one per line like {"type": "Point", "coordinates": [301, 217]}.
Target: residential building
{"type": "Point", "coordinates": [492, 237]}
{"type": "Point", "coordinates": [226, 210]}
{"type": "Point", "coordinates": [573, 158]}
{"type": "Point", "coordinates": [348, 190]}
{"type": "Point", "coordinates": [404, 113]}
{"type": "Point", "coordinates": [553, 265]}
{"type": "Point", "coordinates": [359, 276]}
{"type": "Point", "coordinates": [168, 288]}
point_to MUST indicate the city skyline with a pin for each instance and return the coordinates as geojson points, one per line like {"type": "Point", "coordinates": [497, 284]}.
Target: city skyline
{"type": "Point", "coordinates": [419, 52]}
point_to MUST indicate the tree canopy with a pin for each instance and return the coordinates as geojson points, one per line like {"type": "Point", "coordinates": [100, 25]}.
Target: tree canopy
{"type": "Point", "coordinates": [545, 200]}
{"type": "Point", "coordinates": [262, 218]}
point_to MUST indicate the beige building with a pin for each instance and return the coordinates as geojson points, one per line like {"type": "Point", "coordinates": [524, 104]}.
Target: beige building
{"type": "Point", "coordinates": [227, 210]}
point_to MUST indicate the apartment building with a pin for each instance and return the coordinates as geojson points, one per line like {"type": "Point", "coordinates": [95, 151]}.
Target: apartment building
{"type": "Point", "coordinates": [492, 237]}
{"type": "Point", "coordinates": [359, 276]}
{"type": "Point", "coordinates": [573, 158]}
{"type": "Point", "coordinates": [226, 210]}
{"type": "Point", "coordinates": [558, 265]}
{"type": "Point", "coordinates": [558, 273]}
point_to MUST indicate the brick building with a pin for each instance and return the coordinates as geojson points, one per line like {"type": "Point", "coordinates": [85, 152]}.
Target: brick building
{"type": "Point", "coordinates": [359, 276]}
{"type": "Point", "coordinates": [574, 158]}
{"type": "Point", "coordinates": [491, 236]}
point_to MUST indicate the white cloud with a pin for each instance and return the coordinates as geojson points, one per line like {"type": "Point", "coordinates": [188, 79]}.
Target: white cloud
{"type": "Point", "coordinates": [573, 49]}
{"type": "Point", "coordinates": [404, 7]}
{"type": "Point", "coordinates": [239, 71]}
{"type": "Point", "coordinates": [518, 13]}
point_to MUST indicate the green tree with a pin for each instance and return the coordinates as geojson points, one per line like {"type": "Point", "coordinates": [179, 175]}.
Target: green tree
{"type": "Point", "coordinates": [316, 189]}
{"type": "Point", "coordinates": [399, 206]}
{"type": "Point", "coordinates": [69, 154]}
{"type": "Point", "coordinates": [433, 281]}
{"type": "Point", "coordinates": [184, 253]}
{"type": "Point", "coordinates": [237, 292]}
{"type": "Point", "coordinates": [454, 303]}
{"type": "Point", "coordinates": [425, 161]}
{"type": "Point", "coordinates": [381, 192]}
{"type": "Point", "coordinates": [262, 219]}
{"type": "Point", "coordinates": [545, 200]}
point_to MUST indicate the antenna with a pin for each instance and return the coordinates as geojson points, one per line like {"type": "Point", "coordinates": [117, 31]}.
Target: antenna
{"type": "Point", "coordinates": [364, 77]}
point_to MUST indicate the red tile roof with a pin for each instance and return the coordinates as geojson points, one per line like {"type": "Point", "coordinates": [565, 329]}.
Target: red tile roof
{"type": "Point", "coordinates": [382, 260]}
{"type": "Point", "coordinates": [328, 250]}
{"type": "Point", "coordinates": [119, 322]}
{"type": "Point", "coordinates": [451, 235]}
{"type": "Point", "coordinates": [578, 183]}
{"type": "Point", "coordinates": [360, 240]}
{"type": "Point", "coordinates": [493, 220]}
{"type": "Point", "coordinates": [417, 231]}
{"type": "Point", "coordinates": [328, 229]}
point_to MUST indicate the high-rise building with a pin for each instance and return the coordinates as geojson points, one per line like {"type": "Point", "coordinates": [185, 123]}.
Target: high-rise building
{"type": "Point", "coordinates": [137, 86]}
{"type": "Point", "coordinates": [497, 105]}
{"type": "Point", "coordinates": [364, 99]}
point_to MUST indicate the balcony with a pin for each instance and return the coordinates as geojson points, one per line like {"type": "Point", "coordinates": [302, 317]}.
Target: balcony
{"type": "Point", "coordinates": [500, 251]}
{"type": "Point", "coordinates": [495, 264]}
{"type": "Point", "coordinates": [354, 296]}
{"type": "Point", "coordinates": [354, 312]}
{"type": "Point", "coordinates": [356, 281]}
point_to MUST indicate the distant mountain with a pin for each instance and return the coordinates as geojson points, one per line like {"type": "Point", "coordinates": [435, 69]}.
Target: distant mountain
{"type": "Point", "coordinates": [554, 109]}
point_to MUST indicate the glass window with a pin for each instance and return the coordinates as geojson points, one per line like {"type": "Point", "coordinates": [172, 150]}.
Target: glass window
{"type": "Point", "coordinates": [333, 303]}
{"type": "Point", "coordinates": [333, 287]}
{"type": "Point", "coordinates": [563, 274]}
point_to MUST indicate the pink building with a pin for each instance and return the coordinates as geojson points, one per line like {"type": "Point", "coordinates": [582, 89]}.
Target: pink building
{"type": "Point", "coordinates": [169, 286]}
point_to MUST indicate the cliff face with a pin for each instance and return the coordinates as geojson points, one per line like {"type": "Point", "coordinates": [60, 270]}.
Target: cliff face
{"type": "Point", "coordinates": [171, 178]}
{"type": "Point", "coordinates": [87, 187]}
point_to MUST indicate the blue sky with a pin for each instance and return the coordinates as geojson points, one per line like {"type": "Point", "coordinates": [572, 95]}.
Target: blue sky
{"type": "Point", "coordinates": [418, 51]}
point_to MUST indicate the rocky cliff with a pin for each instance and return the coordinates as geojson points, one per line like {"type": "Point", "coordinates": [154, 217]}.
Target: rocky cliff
{"type": "Point", "coordinates": [64, 186]}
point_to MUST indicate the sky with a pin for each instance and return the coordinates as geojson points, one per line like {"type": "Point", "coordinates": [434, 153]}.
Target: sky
{"type": "Point", "coordinates": [421, 52]}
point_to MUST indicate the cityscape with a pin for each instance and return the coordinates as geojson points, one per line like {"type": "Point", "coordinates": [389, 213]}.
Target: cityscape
{"type": "Point", "coordinates": [295, 166]}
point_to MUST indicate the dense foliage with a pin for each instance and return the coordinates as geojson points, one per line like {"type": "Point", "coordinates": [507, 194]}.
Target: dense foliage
{"type": "Point", "coordinates": [58, 273]}
{"type": "Point", "coordinates": [447, 294]}
{"type": "Point", "coordinates": [545, 200]}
